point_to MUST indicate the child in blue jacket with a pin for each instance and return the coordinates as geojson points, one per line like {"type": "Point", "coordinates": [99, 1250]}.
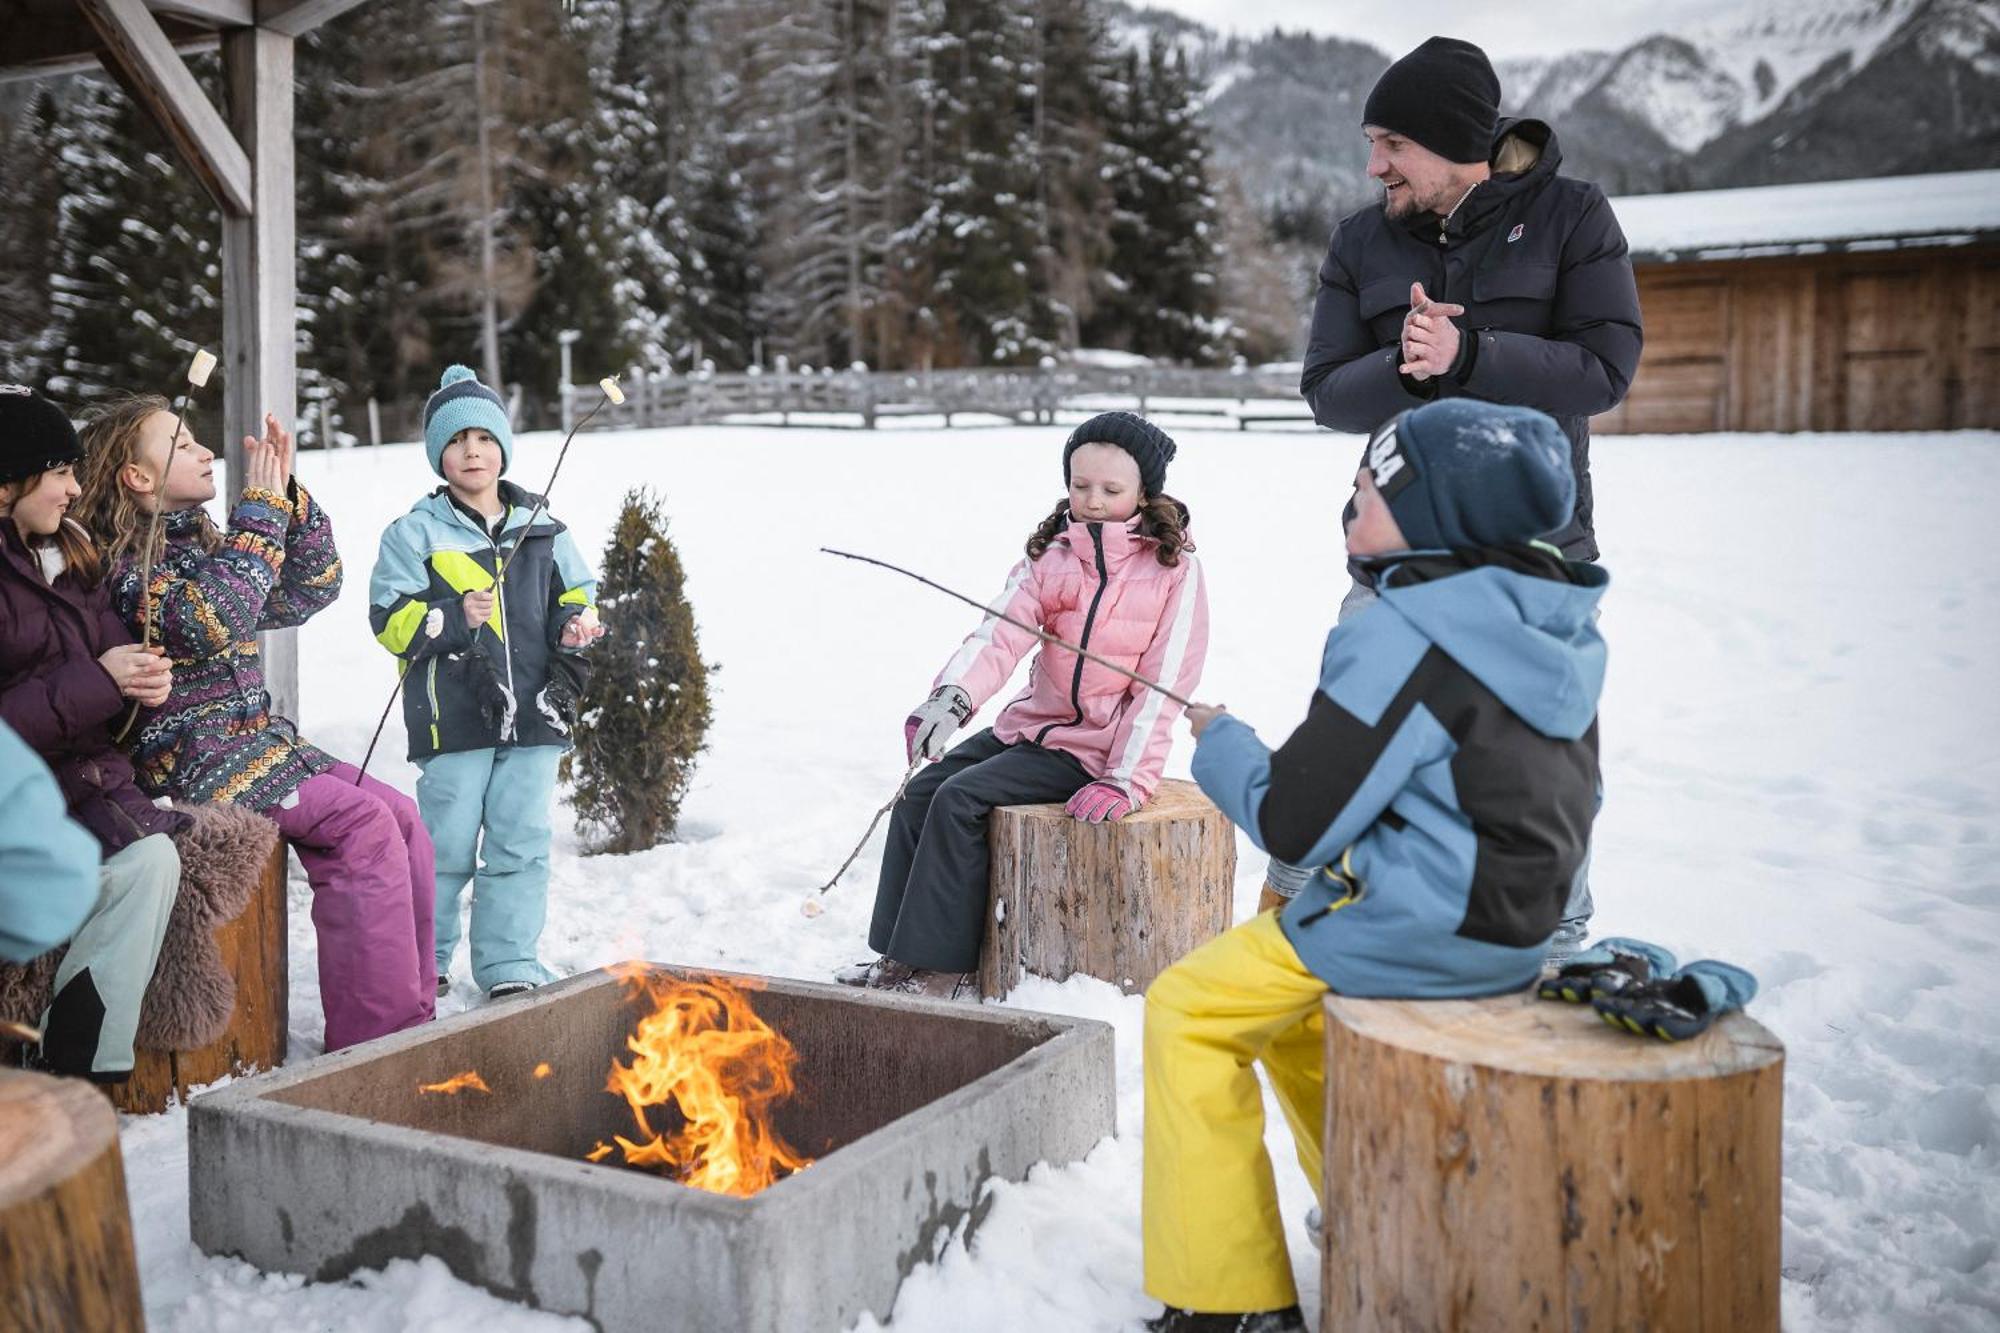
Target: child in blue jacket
{"type": "Point", "coordinates": [1444, 783]}
{"type": "Point", "coordinates": [493, 674]}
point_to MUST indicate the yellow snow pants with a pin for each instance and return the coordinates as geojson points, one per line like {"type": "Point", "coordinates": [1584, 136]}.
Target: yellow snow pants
{"type": "Point", "coordinates": [1213, 1235]}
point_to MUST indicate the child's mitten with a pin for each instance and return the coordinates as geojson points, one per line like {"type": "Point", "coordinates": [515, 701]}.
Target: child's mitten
{"type": "Point", "coordinates": [491, 695]}
{"type": "Point", "coordinates": [558, 699]}
{"type": "Point", "coordinates": [1100, 801]}
{"type": "Point", "coordinates": [1605, 967]}
{"type": "Point", "coordinates": [1680, 1006]}
{"type": "Point", "coordinates": [928, 730]}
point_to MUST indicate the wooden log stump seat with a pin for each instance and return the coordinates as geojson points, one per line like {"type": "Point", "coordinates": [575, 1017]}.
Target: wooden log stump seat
{"type": "Point", "coordinates": [1513, 1163]}
{"type": "Point", "coordinates": [1120, 900]}
{"type": "Point", "coordinates": [66, 1259]}
{"type": "Point", "coordinates": [252, 946]}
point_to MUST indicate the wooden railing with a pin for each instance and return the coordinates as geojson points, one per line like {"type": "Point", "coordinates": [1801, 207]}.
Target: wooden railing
{"type": "Point", "coordinates": [1239, 399]}
{"type": "Point", "coordinates": [865, 398]}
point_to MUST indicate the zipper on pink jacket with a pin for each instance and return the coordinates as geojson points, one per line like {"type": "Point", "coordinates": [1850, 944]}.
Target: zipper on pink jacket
{"type": "Point", "coordinates": [1089, 621]}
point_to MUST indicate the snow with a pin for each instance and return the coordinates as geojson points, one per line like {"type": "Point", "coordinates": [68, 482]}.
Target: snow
{"type": "Point", "coordinates": [1946, 204]}
{"type": "Point", "coordinates": [1798, 729]}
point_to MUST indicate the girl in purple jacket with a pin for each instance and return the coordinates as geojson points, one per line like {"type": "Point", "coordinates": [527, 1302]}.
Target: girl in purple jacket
{"type": "Point", "coordinates": [1109, 570]}
{"type": "Point", "coordinates": [215, 738]}
{"type": "Point", "coordinates": [68, 668]}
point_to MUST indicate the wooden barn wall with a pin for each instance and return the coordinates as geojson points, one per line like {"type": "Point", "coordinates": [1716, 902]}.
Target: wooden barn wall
{"type": "Point", "coordinates": [1895, 340]}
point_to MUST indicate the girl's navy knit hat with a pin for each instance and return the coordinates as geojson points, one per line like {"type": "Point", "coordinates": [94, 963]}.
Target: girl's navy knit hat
{"type": "Point", "coordinates": [1151, 448]}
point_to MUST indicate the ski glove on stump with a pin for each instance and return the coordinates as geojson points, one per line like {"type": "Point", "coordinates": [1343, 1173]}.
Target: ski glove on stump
{"type": "Point", "coordinates": [1683, 1005]}
{"type": "Point", "coordinates": [1606, 967]}
{"type": "Point", "coordinates": [927, 731]}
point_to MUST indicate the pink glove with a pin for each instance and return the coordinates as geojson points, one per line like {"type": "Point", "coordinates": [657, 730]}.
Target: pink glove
{"type": "Point", "coordinates": [1101, 801]}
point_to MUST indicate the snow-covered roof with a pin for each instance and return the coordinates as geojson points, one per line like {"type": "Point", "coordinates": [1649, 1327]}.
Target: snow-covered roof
{"type": "Point", "coordinates": [1889, 212]}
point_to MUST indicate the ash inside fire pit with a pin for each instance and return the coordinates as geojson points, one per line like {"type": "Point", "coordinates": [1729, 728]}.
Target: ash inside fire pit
{"type": "Point", "coordinates": [904, 1106]}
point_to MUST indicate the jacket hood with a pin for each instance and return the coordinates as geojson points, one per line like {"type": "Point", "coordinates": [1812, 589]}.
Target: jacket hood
{"type": "Point", "coordinates": [1520, 620]}
{"type": "Point", "coordinates": [1534, 150]}
{"type": "Point", "coordinates": [1525, 157]}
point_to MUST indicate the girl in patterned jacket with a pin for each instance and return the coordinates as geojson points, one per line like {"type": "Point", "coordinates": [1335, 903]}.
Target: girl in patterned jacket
{"type": "Point", "coordinates": [1108, 570]}
{"type": "Point", "coordinates": [364, 849]}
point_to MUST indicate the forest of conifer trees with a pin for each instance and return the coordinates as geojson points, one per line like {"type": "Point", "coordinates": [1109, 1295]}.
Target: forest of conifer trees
{"type": "Point", "coordinates": [901, 183]}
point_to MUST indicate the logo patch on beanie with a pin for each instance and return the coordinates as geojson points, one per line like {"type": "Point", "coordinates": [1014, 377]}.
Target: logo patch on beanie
{"type": "Point", "coordinates": [1515, 235]}
{"type": "Point", "coordinates": [1387, 461]}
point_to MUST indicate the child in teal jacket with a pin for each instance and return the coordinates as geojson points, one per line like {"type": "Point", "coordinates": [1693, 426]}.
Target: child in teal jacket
{"type": "Point", "coordinates": [493, 674]}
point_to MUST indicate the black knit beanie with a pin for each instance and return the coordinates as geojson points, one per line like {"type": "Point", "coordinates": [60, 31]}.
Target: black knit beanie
{"type": "Point", "coordinates": [1444, 95]}
{"type": "Point", "coordinates": [35, 434]}
{"type": "Point", "coordinates": [1151, 448]}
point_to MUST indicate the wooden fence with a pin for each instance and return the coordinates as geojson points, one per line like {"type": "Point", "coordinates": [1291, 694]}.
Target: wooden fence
{"type": "Point", "coordinates": [864, 399]}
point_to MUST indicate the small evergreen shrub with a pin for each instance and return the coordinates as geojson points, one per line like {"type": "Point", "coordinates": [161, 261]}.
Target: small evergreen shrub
{"type": "Point", "coordinates": [644, 716]}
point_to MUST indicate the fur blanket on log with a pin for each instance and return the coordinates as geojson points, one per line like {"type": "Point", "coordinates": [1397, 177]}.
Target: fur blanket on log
{"type": "Point", "coordinates": [192, 995]}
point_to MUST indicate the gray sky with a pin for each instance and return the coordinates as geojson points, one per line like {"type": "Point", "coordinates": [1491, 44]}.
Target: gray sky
{"type": "Point", "coordinates": [1504, 29]}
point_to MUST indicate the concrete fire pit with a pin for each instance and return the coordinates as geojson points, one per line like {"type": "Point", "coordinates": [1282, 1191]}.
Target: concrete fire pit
{"type": "Point", "coordinates": [909, 1106]}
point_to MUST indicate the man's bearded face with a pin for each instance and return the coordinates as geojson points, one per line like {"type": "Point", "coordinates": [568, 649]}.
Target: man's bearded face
{"type": "Point", "coordinates": [1413, 178]}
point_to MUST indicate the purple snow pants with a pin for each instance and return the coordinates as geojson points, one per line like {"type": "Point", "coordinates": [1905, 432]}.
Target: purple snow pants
{"type": "Point", "coordinates": [374, 884]}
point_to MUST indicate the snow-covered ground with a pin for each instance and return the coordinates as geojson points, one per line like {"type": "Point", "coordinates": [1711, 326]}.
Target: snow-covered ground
{"type": "Point", "coordinates": [1799, 732]}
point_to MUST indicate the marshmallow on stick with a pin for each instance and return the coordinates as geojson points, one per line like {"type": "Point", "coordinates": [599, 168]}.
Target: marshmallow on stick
{"type": "Point", "coordinates": [611, 390]}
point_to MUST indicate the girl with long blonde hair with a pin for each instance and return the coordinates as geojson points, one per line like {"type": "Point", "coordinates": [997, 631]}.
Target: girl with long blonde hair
{"type": "Point", "coordinates": [203, 593]}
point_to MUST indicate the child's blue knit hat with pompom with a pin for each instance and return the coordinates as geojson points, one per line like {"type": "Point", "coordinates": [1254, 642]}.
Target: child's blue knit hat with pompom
{"type": "Point", "coordinates": [460, 403]}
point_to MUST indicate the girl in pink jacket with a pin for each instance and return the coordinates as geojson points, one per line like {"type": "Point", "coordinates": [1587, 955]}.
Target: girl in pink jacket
{"type": "Point", "coordinates": [1109, 570]}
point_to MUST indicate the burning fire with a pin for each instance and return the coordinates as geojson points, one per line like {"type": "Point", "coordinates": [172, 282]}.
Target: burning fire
{"type": "Point", "coordinates": [704, 1058]}
{"type": "Point", "coordinates": [469, 1081]}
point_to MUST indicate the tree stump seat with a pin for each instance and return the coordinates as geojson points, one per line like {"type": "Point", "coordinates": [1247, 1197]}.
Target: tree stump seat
{"type": "Point", "coordinates": [67, 1264]}
{"type": "Point", "coordinates": [1514, 1163]}
{"type": "Point", "coordinates": [1121, 900]}
{"type": "Point", "coordinates": [253, 948]}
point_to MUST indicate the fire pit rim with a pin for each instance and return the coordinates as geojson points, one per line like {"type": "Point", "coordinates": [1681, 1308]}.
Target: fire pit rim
{"type": "Point", "coordinates": [256, 1096]}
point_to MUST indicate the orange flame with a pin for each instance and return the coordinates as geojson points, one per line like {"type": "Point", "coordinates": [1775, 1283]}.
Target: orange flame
{"type": "Point", "coordinates": [705, 1052]}
{"type": "Point", "coordinates": [458, 1083]}
{"type": "Point", "coordinates": [542, 1070]}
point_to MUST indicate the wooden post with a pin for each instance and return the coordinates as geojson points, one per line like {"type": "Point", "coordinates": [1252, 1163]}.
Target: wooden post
{"type": "Point", "coordinates": [1513, 1163]}
{"type": "Point", "coordinates": [253, 950]}
{"type": "Point", "coordinates": [260, 285]}
{"type": "Point", "coordinates": [1122, 901]}
{"type": "Point", "coordinates": [66, 1259]}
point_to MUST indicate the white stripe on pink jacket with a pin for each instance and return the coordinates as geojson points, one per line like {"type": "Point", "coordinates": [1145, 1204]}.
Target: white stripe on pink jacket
{"type": "Point", "coordinates": [1102, 586]}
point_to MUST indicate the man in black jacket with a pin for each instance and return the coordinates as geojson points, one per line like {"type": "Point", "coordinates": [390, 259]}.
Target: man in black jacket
{"type": "Point", "coordinates": [1483, 274]}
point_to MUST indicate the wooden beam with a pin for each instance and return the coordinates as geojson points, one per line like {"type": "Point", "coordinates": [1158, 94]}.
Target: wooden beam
{"type": "Point", "coordinates": [145, 61]}
{"type": "Point", "coordinates": [260, 284]}
{"type": "Point", "coordinates": [40, 45]}
{"type": "Point", "coordinates": [295, 18]}
{"type": "Point", "coordinates": [221, 13]}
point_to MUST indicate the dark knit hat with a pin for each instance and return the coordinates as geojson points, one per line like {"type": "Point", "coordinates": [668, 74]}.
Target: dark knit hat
{"type": "Point", "coordinates": [1151, 448]}
{"type": "Point", "coordinates": [1444, 95]}
{"type": "Point", "coordinates": [460, 403]}
{"type": "Point", "coordinates": [35, 434]}
{"type": "Point", "coordinates": [1460, 473]}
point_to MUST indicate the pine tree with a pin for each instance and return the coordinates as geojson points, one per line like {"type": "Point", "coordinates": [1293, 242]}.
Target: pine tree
{"type": "Point", "coordinates": [973, 242]}
{"type": "Point", "coordinates": [645, 713]}
{"type": "Point", "coordinates": [1161, 296]}
{"type": "Point", "coordinates": [135, 286]}
{"type": "Point", "coordinates": [28, 238]}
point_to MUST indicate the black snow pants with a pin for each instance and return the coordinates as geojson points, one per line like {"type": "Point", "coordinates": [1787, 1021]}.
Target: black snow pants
{"type": "Point", "coordinates": [930, 904]}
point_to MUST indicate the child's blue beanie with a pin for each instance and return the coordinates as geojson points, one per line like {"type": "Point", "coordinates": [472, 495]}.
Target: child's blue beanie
{"type": "Point", "coordinates": [1460, 473]}
{"type": "Point", "coordinates": [460, 403]}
